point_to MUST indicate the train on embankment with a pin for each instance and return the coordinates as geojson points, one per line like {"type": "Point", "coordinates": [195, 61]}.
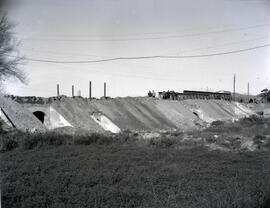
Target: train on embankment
{"type": "Point", "coordinates": [188, 94]}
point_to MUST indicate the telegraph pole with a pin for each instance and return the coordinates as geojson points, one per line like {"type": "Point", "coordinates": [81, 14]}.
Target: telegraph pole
{"type": "Point", "coordinates": [234, 79]}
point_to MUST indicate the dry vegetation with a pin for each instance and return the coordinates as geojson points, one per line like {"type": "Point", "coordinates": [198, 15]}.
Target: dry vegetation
{"type": "Point", "coordinates": [174, 170]}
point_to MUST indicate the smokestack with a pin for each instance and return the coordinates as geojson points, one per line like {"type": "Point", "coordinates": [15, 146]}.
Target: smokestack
{"type": "Point", "coordinates": [234, 79]}
{"type": "Point", "coordinates": [58, 91]}
{"type": "Point", "coordinates": [104, 89]}
{"type": "Point", "coordinates": [90, 90]}
{"type": "Point", "coordinates": [72, 90]}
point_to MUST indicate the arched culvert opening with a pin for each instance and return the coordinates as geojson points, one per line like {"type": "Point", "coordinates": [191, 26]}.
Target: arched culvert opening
{"type": "Point", "coordinates": [196, 114]}
{"type": "Point", "coordinates": [40, 115]}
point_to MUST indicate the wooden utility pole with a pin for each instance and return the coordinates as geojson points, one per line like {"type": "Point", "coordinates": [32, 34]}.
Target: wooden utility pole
{"type": "Point", "coordinates": [104, 89]}
{"type": "Point", "coordinates": [72, 90]}
{"type": "Point", "coordinates": [58, 91]}
{"type": "Point", "coordinates": [234, 79]}
{"type": "Point", "coordinates": [90, 90]}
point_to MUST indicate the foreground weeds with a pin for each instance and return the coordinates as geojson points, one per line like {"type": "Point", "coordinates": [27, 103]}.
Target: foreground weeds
{"type": "Point", "coordinates": [28, 141]}
{"type": "Point", "coordinates": [173, 170]}
{"type": "Point", "coordinates": [128, 175]}
{"type": "Point", "coordinates": [248, 134]}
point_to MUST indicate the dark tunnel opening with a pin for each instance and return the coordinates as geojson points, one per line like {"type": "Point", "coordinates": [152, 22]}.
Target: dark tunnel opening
{"type": "Point", "coordinates": [196, 114]}
{"type": "Point", "coordinates": [40, 115]}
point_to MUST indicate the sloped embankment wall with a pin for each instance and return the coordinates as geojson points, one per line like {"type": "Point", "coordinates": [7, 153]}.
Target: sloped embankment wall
{"type": "Point", "coordinates": [133, 113]}
{"type": "Point", "coordinates": [21, 117]}
{"type": "Point", "coordinates": [142, 114]}
{"type": "Point", "coordinates": [148, 114]}
{"type": "Point", "coordinates": [78, 113]}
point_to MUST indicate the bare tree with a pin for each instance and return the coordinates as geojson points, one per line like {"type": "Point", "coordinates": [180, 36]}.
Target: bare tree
{"type": "Point", "coordinates": [9, 60]}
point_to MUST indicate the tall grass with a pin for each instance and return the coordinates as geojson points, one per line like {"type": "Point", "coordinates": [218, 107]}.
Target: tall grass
{"type": "Point", "coordinates": [56, 170]}
{"type": "Point", "coordinates": [127, 175]}
{"type": "Point", "coordinates": [226, 134]}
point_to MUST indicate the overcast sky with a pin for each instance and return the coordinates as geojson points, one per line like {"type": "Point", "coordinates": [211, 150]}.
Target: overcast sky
{"type": "Point", "coordinates": [83, 30]}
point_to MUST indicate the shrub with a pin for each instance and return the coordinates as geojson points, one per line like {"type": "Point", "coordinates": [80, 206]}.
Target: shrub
{"type": "Point", "coordinates": [267, 144]}
{"type": "Point", "coordinates": [127, 136]}
{"type": "Point", "coordinates": [234, 128]}
{"type": "Point", "coordinates": [31, 141]}
{"type": "Point", "coordinates": [10, 140]}
{"type": "Point", "coordinates": [27, 141]}
{"type": "Point", "coordinates": [217, 123]}
{"type": "Point", "coordinates": [93, 138]}
{"type": "Point", "coordinates": [163, 142]}
{"type": "Point", "coordinates": [7, 144]}
{"type": "Point", "coordinates": [220, 126]}
{"type": "Point", "coordinates": [235, 143]}
{"type": "Point", "coordinates": [258, 140]}
{"type": "Point", "coordinates": [252, 120]}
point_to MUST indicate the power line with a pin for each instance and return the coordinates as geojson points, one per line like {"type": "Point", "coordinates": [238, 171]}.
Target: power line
{"type": "Point", "coordinates": [151, 78]}
{"type": "Point", "coordinates": [146, 38]}
{"type": "Point", "coordinates": [226, 44]}
{"type": "Point", "coordinates": [147, 57]}
{"type": "Point", "coordinates": [190, 50]}
{"type": "Point", "coordinates": [242, 24]}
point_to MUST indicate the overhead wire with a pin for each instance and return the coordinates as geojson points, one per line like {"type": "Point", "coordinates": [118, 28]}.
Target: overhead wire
{"type": "Point", "coordinates": [148, 57]}
{"type": "Point", "coordinates": [184, 51]}
{"type": "Point", "coordinates": [147, 77]}
{"type": "Point", "coordinates": [145, 38]}
{"type": "Point", "coordinates": [242, 24]}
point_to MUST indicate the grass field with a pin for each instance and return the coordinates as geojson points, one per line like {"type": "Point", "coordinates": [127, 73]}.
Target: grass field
{"type": "Point", "coordinates": [102, 171]}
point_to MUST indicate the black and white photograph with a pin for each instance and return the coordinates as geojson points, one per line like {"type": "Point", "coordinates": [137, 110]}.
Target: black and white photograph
{"type": "Point", "coordinates": [135, 103]}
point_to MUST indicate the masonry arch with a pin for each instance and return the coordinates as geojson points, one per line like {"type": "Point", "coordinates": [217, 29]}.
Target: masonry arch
{"type": "Point", "coordinates": [40, 115]}
{"type": "Point", "coordinates": [196, 114]}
